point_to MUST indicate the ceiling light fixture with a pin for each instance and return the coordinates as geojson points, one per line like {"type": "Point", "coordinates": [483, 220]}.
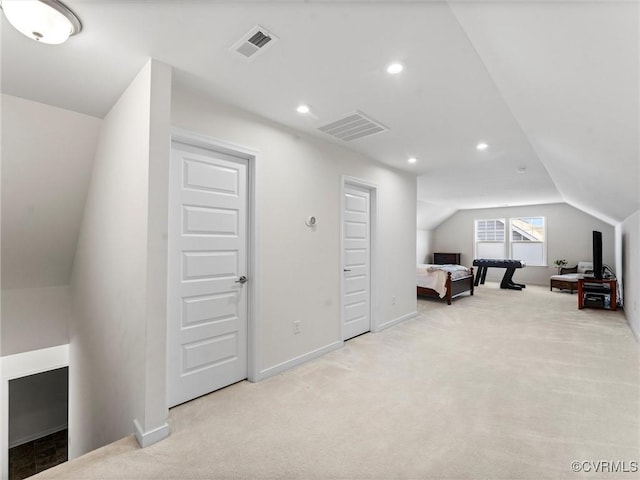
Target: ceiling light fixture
{"type": "Point", "coordinates": [412, 160]}
{"type": "Point", "coordinates": [303, 109]}
{"type": "Point", "coordinates": [395, 68]}
{"type": "Point", "coordinates": [482, 146]}
{"type": "Point", "coordinates": [46, 21]}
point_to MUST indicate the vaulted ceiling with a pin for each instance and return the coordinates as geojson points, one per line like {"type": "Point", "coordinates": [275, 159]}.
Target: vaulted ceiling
{"type": "Point", "coordinates": [552, 87]}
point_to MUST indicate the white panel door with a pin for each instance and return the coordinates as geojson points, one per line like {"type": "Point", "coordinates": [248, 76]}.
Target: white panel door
{"type": "Point", "coordinates": [356, 261]}
{"type": "Point", "coordinates": [207, 303]}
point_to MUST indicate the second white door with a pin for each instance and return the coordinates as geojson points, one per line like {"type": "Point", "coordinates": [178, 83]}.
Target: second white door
{"type": "Point", "coordinates": [356, 261]}
{"type": "Point", "coordinates": [207, 296]}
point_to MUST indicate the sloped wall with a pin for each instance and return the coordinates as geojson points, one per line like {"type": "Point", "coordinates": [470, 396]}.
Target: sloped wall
{"type": "Point", "coordinates": [47, 157]}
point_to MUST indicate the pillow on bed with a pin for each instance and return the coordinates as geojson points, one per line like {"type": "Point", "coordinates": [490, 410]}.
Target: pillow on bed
{"type": "Point", "coordinates": [448, 268]}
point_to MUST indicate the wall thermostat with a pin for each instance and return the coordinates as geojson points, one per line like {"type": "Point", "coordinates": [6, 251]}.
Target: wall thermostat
{"type": "Point", "coordinates": [311, 221]}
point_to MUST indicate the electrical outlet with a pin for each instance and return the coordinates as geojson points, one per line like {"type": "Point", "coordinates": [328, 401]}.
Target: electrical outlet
{"type": "Point", "coordinates": [393, 300]}
{"type": "Point", "coordinates": [296, 327]}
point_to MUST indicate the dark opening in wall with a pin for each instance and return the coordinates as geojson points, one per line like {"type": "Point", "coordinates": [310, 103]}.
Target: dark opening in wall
{"type": "Point", "coordinates": [38, 416]}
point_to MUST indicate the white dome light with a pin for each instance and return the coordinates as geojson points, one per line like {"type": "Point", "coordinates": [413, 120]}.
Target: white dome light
{"type": "Point", "coordinates": [395, 68]}
{"type": "Point", "coordinates": [46, 21]}
{"type": "Point", "coordinates": [303, 109]}
{"type": "Point", "coordinates": [412, 160]}
{"type": "Point", "coordinates": [482, 146]}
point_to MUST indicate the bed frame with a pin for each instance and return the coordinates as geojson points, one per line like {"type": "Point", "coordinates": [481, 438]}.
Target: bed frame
{"type": "Point", "coordinates": [454, 287]}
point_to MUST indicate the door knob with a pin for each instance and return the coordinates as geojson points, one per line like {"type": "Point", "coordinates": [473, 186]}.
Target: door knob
{"type": "Point", "coordinates": [241, 280]}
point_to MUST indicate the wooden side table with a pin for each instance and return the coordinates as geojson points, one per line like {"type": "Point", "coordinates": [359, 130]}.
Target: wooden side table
{"type": "Point", "coordinates": [611, 283]}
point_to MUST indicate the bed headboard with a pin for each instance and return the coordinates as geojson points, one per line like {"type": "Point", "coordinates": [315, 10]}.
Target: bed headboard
{"type": "Point", "coordinates": [446, 258]}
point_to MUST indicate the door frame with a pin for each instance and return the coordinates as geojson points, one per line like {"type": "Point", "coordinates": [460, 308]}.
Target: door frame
{"type": "Point", "coordinates": [253, 216]}
{"type": "Point", "coordinates": [373, 249]}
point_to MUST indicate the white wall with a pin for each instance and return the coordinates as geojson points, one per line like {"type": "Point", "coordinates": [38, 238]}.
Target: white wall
{"type": "Point", "coordinates": [424, 250]}
{"type": "Point", "coordinates": [430, 215]}
{"type": "Point", "coordinates": [37, 406]}
{"type": "Point", "coordinates": [568, 237]}
{"type": "Point", "coordinates": [631, 266]}
{"type": "Point", "coordinates": [300, 268]}
{"type": "Point", "coordinates": [35, 318]}
{"type": "Point", "coordinates": [117, 354]}
{"type": "Point", "coordinates": [151, 426]}
{"type": "Point", "coordinates": [47, 157]}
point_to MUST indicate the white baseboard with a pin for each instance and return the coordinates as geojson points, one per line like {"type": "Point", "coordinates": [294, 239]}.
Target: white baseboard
{"type": "Point", "coordinates": [146, 439]}
{"type": "Point", "coordinates": [35, 436]}
{"type": "Point", "coordinates": [294, 362]}
{"type": "Point", "coordinates": [395, 321]}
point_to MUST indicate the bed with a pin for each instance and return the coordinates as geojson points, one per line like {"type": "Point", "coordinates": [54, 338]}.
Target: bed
{"type": "Point", "coordinates": [444, 278]}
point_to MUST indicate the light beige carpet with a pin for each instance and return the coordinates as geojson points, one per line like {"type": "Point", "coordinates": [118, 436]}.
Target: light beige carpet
{"type": "Point", "coordinates": [502, 385]}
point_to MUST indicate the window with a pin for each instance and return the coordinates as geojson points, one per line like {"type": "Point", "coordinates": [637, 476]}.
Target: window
{"type": "Point", "coordinates": [490, 237]}
{"type": "Point", "coordinates": [490, 230]}
{"type": "Point", "coordinates": [526, 239]}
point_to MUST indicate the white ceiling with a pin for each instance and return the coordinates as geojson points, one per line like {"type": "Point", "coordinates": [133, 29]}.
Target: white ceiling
{"type": "Point", "coordinates": [551, 86]}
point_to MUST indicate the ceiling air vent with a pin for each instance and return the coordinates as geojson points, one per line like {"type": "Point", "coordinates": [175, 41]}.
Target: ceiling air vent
{"type": "Point", "coordinates": [352, 126]}
{"type": "Point", "coordinates": [256, 41]}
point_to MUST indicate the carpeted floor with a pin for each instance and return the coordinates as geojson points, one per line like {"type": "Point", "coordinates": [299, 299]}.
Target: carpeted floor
{"type": "Point", "coordinates": [502, 385]}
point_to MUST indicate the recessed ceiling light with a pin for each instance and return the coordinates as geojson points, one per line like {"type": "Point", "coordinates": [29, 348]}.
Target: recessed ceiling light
{"type": "Point", "coordinates": [303, 109]}
{"type": "Point", "coordinates": [395, 68]}
{"type": "Point", "coordinates": [46, 21]}
{"type": "Point", "coordinates": [412, 160]}
{"type": "Point", "coordinates": [521, 170]}
{"type": "Point", "coordinates": [482, 146]}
